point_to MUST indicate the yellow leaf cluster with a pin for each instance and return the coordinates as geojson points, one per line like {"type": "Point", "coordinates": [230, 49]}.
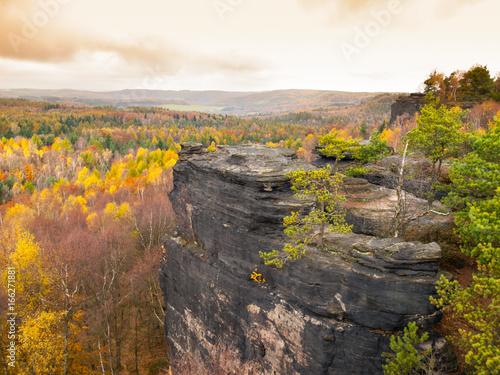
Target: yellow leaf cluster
{"type": "Point", "coordinates": [41, 338]}
{"type": "Point", "coordinates": [121, 212]}
{"type": "Point", "coordinates": [257, 277]}
{"type": "Point", "coordinates": [17, 217]}
{"type": "Point", "coordinates": [75, 202]}
{"type": "Point", "coordinates": [27, 260]}
{"type": "Point", "coordinates": [47, 201]}
{"type": "Point", "coordinates": [93, 222]}
{"type": "Point", "coordinates": [271, 144]}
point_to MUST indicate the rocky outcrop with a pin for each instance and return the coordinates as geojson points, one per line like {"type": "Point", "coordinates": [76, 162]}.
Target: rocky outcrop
{"type": "Point", "coordinates": [406, 107]}
{"type": "Point", "coordinates": [416, 180]}
{"type": "Point", "coordinates": [385, 173]}
{"type": "Point", "coordinates": [332, 312]}
{"type": "Point", "coordinates": [370, 208]}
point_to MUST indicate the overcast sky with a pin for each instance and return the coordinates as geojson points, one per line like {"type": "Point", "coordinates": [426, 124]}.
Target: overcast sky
{"type": "Point", "coordinates": [242, 45]}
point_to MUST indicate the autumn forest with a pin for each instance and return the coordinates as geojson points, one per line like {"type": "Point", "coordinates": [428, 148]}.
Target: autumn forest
{"type": "Point", "coordinates": [84, 208]}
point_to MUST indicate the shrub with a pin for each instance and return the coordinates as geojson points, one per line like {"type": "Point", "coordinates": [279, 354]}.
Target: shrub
{"type": "Point", "coordinates": [356, 171]}
{"type": "Point", "coordinates": [408, 357]}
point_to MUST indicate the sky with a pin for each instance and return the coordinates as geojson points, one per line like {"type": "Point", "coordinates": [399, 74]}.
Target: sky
{"type": "Point", "coordinates": [242, 45]}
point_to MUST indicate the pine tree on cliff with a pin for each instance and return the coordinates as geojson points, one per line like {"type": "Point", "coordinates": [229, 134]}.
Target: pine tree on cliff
{"type": "Point", "coordinates": [323, 186]}
{"type": "Point", "coordinates": [475, 196]}
{"type": "Point", "coordinates": [336, 146]}
{"type": "Point", "coordinates": [437, 136]}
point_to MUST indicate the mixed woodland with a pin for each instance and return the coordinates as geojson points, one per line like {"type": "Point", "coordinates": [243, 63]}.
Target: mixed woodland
{"type": "Point", "coordinates": [84, 207]}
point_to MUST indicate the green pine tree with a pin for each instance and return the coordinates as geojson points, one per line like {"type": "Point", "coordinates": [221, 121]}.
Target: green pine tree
{"type": "Point", "coordinates": [323, 186]}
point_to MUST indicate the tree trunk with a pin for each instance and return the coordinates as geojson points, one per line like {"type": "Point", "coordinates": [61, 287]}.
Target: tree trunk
{"type": "Point", "coordinates": [66, 344]}
{"type": "Point", "coordinates": [436, 174]}
{"type": "Point", "coordinates": [117, 344]}
{"type": "Point", "coordinates": [108, 337]}
{"type": "Point", "coordinates": [399, 217]}
{"type": "Point", "coordinates": [136, 344]}
{"type": "Point", "coordinates": [322, 231]}
{"type": "Point", "coordinates": [100, 357]}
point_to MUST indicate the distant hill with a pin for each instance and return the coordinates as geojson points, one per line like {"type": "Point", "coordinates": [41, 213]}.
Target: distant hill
{"type": "Point", "coordinates": [375, 109]}
{"type": "Point", "coordinates": [222, 102]}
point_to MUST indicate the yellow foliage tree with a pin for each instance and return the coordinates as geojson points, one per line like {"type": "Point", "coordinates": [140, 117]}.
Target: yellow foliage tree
{"type": "Point", "coordinates": [16, 219]}
{"type": "Point", "coordinates": [32, 282]}
{"type": "Point", "coordinates": [212, 147]}
{"type": "Point", "coordinates": [42, 344]}
{"type": "Point", "coordinates": [122, 212]}
{"type": "Point", "coordinates": [154, 174]}
{"type": "Point", "coordinates": [94, 181]}
{"type": "Point", "coordinates": [74, 202]}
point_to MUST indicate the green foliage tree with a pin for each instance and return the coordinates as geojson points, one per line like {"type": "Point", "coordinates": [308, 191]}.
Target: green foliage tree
{"type": "Point", "coordinates": [36, 141]}
{"type": "Point", "coordinates": [475, 181]}
{"type": "Point", "coordinates": [408, 358]}
{"type": "Point", "coordinates": [88, 159]}
{"type": "Point", "coordinates": [475, 196]}
{"type": "Point", "coordinates": [476, 84]}
{"type": "Point", "coordinates": [438, 135]}
{"type": "Point", "coordinates": [375, 150]}
{"type": "Point", "coordinates": [323, 187]}
{"type": "Point", "coordinates": [336, 146]}
{"type": "Point", "coordinates": [496, 90]}
{"type": "Point", "coordinates": [363, 129]}
{"type": "Point", "coordinates": [478, 305]}
{"type": "Point", "coordinates": [435, 83]}
{"type": "Point", "coordinates": [107, 141]}
{"type": "Point", "coordinates": [382, 127]}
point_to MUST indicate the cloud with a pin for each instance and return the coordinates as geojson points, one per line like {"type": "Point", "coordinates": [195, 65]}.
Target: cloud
{"type": "Point", "coordinates": [343, 8]}
{"type": "Point", "coordinates": [29, 34]}
{"type": "Point", "coordinates": [448, 8]}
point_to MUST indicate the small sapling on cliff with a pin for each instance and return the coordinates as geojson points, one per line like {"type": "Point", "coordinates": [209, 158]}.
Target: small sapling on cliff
{"type": "Point", "coordinates": [323, 186]}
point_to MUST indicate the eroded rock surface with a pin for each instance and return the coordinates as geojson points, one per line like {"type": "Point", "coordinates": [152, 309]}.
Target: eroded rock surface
{"type": "Point", "coordinates": [371, 208]}
{"type": "Point", "coordinates": [416, 179]}
{"type": "Point", "coordinates": [406, 106]}
{"type": "Point", "coordinates": [329, 313]}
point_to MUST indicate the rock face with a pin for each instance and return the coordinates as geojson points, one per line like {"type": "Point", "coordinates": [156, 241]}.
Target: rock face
{"type": "Point", "coordinates": [406, 106]}
{"type": "Point", "coordinates": [370, 208]}
{"type": "Point", "coordinates": [385, 173]}
{"type": "Point", "coordinates": [331, 312]}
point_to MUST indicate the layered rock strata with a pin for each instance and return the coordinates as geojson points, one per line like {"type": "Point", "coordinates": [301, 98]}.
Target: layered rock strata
{"type": "Point", "coordinates": [406, 106]}
{"type": "Point", "coordinates": [371, 208]}
{"type": "Point", "coordinates": [331, 312]}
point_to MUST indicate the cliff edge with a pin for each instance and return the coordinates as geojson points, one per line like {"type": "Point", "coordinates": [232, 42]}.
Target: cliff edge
{"type": "Point", "coordinates": [331, 312]}
{"type": "Point", "coordinates": [406, 107]}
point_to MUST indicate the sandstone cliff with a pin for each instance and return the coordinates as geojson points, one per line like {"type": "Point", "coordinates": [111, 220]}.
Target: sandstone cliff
{"type": "Point", "coordinates": [406, 107]}
{"type": "Point", "coordinates": [329, 313]}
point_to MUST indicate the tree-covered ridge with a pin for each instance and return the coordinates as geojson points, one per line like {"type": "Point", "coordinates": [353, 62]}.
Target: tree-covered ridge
{"type": "Point", "coordinates": [41, 118]}
{"type": "Point", "coordinates": [36, 136]}
{"type": "Point", "coordinates": [223, 102]}
{"type": "Point", "coordinates": [474, 85]}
